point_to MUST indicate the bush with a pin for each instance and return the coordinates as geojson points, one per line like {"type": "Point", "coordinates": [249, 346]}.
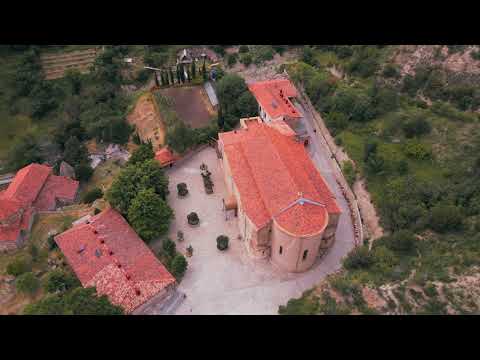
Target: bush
{"type": "Point", "coordinates": [182, 189]}
{"type": "Point", "coordinates": [416, 127]}
{"type": "Point", "coordinates": [51, 244]}
{"type": "Point", "coordinates": [179, 266]}
{"type": "Point", "coordinates": [193, 218]}
{"type": "Point", "coordinates": [391, 71]}
{"type": "Point", "coordinates": [169, 248]}
{"type": "Point", "coordinates": [222, 242]}
{"type": "Point", "coordinates": [358, 258]}
{"type": "Point", "coordinates": [59, 280]}
{"type": "Point", "coordinates": [445, 218]}
{"type": "Point", "coordinates": [92, 195]}
{"type": "Point", "coordinates": [27, 283]}
{"type": "Point", "coordinates": [19, 266]}
{"type": "Point", "coordinates": [401, 241]}
{"type": "Point", "coordinates": [417, 150]}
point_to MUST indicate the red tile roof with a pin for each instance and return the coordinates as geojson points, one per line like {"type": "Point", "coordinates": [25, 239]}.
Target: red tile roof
{"type": "Point", "coordinates": [165, 157]}
{"type": "Point", "coordinates": [273, 96]}
{"type": "Point", "coordinates": [272, 171]}
{"type": "Point", "coordinates": [33, 188]}
{"type": "Point", "coordinates": [28, 182]}
{"type": "Point", "coordinates": [122, 267]}
{"type": "Point", "coordinates": [56, 187]}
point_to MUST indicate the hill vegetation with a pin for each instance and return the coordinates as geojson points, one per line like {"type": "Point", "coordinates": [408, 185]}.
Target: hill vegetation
{"type": "Point", "coordinates": [415, 140]}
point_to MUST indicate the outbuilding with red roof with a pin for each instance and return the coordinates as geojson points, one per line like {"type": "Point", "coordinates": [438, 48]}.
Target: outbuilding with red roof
{"type": "Point", "coordinates": [106, 253]}
{"type": "Point", "coordinates": [274, 99]}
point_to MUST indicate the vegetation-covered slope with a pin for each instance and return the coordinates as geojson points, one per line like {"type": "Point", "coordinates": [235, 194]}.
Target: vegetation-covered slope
{"type": "Point", "coordinates": [414, 137]}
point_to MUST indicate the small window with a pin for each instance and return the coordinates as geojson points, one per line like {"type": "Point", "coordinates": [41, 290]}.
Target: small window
{"type": "Point", "coordinates": [280, 250]}
{"type": "Point", "coordinates": [305, 254]}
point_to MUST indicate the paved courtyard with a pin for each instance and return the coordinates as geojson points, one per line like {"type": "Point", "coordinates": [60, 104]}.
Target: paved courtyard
{"type": "Point", "coordinates": [230, 282]}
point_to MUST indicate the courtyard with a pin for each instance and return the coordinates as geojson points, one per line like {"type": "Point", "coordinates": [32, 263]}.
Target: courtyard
{"type": "Point", "coordinates": [230, 282]}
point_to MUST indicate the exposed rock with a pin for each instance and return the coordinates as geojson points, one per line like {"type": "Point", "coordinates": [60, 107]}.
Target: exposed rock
{"type": "Point", "coordinates": [66, 170]}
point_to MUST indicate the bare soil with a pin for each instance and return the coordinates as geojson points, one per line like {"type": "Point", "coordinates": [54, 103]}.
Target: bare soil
{"type": "Point", "coordinates": [191, 104]}
{"type": "Point", "coordinates": [148, 122]}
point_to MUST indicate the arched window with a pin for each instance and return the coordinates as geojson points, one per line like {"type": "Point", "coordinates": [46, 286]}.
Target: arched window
{"type": "Point", "coordinates": [280, 250]}
{"type": "Point", "coordinates": [305, 254]}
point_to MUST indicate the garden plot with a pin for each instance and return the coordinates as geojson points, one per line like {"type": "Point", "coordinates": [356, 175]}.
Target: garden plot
{"type": "Point", "coordinates": [192, 105]}
{"type": "Point", "coordinates": [147, 121]}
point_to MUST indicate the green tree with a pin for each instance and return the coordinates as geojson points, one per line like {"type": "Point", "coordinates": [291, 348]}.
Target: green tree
{"type": "Point", "coordinates": [132, 179]}
{"type": "Point", "coordinates": [81, 301]}
{"type": "Point", "coordinates": [172, 78]}
{"type": "Point", "coordinates": [19, 266]}
{"type": "Point", "coordinates": [445, 218]}
{"type": "Point", "coordinates": [142, 153]}
{"type": "Point", "coordinates": [75, 152]}
{"type": "Point", "coordinates": [416, 127]}
{"type": "Point", "coordinates": [26, 150]}
{"type": "Point", "coordinates": [48, 305]}
{"type": "Point", "coordinates": [169, 248]}
{"type": "Point", "coordinates": [204, 71]}
{"type": "Point", "coordinates": [180, 137]}
{"type": "Point", "coordinates": [74, 78]}
{"type": "Point", "coordinates": [28, 283]}
{"type": "Point", "coordinates": [61, 281]}
{"type": "Point", "coordinates": [194, 70]}
{"type": "Point", "coordinates": [149, 215]}
{"type": "Point", "coordinates": [83, 172]}
{"type": "Point", "coordinates": [179, 266]}
{"type": "Point", "coordinates": [92, 195]}
{"type": "Point", "coordinates": [358, 258]}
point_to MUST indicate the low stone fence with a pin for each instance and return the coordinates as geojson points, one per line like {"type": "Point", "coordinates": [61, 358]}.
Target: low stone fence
{"type": "Point", "coordinates": [339, 177]}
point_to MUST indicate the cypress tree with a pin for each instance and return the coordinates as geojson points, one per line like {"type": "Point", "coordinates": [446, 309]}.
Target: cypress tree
{"type": "Point", "coordinates": [204, 71]}
{"type": "Point", "coordinates": [172, 79]}
{"type": "Point", "coordinates": [194, 70]}
{"type": "Point", "coordinates": [189, 75]}
{"type": "Point", "coordinates": [182, 73]}
{"type": "Point", "coordinates": [220, 119]}
{"type": "Point", "coordinates": [179, 77]}
{"type": "Point", "coordinates": [162, 79]}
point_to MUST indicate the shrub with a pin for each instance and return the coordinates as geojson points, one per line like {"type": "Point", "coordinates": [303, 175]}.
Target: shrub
{"type": "Point", "coordinates": [445, 218]}
{"type": "Point", "coordinates": [182, 189]}
{"type": "Point", "coordinates": [19, 266]}
{"type": "Point", "coordinates": [180, 236]}
{"type": "Point", "coordinates": [358, 258]}
{"type": "Point", "coordinates": [59, 280]}
{"type": "Point", "coordinates": [391, 71]}
{"type": "Point", "coordinates": [179, 266]}
{"type": "Point", "coordinates": [92, 195]}
{"type": "Point", "coordinates": [27, 283]}
{"type": "Point", "coordinates": [222, 242]}
{"type": "Point", "coordinates": [193, 218]}
{"type": "Point", "coordinates": [416, 127]}
{"type": "Point", "coordinates": [401, 241]}
{"type": "Point", "coordinates": [169, 248]}
{"type": "Point", "coordinates": [417, 150]}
